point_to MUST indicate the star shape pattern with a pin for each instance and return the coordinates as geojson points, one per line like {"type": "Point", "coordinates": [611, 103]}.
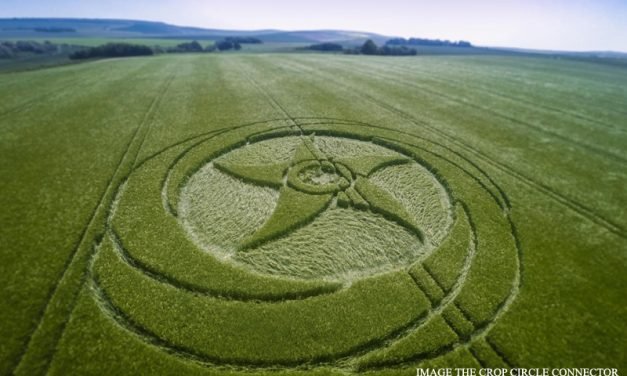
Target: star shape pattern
{"type": "Point", "coordinates": [311, 181]}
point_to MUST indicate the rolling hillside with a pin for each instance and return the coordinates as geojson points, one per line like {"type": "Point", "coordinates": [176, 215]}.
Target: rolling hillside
{"type": "Point", "coordinates": [103, 28]}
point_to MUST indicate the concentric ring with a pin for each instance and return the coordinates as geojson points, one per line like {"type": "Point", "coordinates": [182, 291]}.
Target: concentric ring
{"type": "Point", "coordinates": [457, 291]}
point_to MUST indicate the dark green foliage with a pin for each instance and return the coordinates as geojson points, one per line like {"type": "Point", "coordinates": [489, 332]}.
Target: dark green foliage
{"type": "Point", "coordinates": [112, 50]}
{"type": "Point", "coordinates": [426, 42]}
{"type": "Point", "coordinates": [190, 47]}
{"type": "Point", "coordinates": [397, 51]}
{"type": "Point", "coordinates": [226, 45]}
{"type": "Point", "coordinates": [244, 40]}
{"type": "Point", "coordinates": [193, 46]}
{"type": "Point", "coordinates": [9, 49]}
{"type": "Point", "coordinates": [369, 48]}
{"type": "Point", "coordinates": [327, 47]}
{"type": "Point", "coordinates": [35, 47]}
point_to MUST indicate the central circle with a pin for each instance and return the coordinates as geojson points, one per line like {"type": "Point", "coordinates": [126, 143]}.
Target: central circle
{"type": "Point", "coordinates": [315, 207]}
{"type": "Point", "coordinates": [318, 175]}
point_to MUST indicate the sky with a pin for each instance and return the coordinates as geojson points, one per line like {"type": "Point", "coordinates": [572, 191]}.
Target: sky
{"type": "Point", "coordinates": [574, 25]}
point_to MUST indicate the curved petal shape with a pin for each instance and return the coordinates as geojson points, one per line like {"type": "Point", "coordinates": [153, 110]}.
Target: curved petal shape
{"type": "Point", "coordinates": [294, 209]}
{"type": "Point", "coordinates": [366, 165]}
{"type": "Point", "coordinates": [270, 175]}
{"type": "Point", "coordinates": [385, 204]}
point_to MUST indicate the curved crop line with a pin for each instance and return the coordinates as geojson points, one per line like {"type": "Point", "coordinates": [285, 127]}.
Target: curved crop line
{"type": "Point", "coordinates": [394, 145]}
{"type": "Point", "coordinates": [200, 291]}
{"type": "Point", "coordinates": [156, 275]}
{"type": "Point", "coordinates": [448, 297]}
{"type": "Point", "coordinates": [481, 331]}
{"type": "Point", "coordinates": [274, 134]}
{"type": "Point", "coordinates": [558, 197]}
{"type": "Point", "coordinates": [410, 155]}
{"type": "Point", "coordinates": [194, 289]}
{"type": "Point", "coordinates": [204, 134]}
{"type": "Point", "coordinates": [73, 256]}
{"type": "Point", "coordinates": [294, 120]}
{"type": "Point", "coordinates": [392, 336]}
{"type": "Point", "coordinates": [126, 323]}
{"type": "Point", "coordinates": [421, 161]}
{"type": "Point", "coordinates": [109, 309]}
{"type": "Point", "coordinates": [504, 205]}
{"type": "Point", "coordinates": [518, 279]}
{"type": "Point", "coordinates": [571, 204]}
{"type": "Point", "coordinates": [413, 325]}
{"type": "Point", "coordinates": [191, 171]}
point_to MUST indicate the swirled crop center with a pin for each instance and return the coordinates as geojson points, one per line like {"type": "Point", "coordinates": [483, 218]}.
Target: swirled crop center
{"type": "Point", "coordinates": [315, 207]}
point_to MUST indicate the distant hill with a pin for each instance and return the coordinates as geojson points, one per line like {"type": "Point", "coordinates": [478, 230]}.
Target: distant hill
{"type": "Point", "coordinates": [103, 28]}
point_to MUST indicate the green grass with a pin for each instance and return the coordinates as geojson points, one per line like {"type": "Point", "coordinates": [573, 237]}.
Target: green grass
{"type": "Point", "coordinates": [121, 238]}
{"type": "Point", "coordinates": [205, 322]}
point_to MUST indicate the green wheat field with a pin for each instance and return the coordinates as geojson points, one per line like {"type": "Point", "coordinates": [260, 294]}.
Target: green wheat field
{"type": "Point", "coordinates": [285, 214]}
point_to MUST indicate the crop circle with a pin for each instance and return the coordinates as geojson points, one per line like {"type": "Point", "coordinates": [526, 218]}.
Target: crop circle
{"type": "Point", "coordinates": [346, 244]}
{"type": "Point", "coordinates": [337, 208]}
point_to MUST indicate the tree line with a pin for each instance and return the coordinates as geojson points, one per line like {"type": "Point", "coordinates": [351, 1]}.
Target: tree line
{"type": "Point", "coordinates": [426, 42]}
{"type": "Point", "coordinates": [129, 50]}
{"type": "Point", "coordinates": [12, 49]}
{"type": "Point", "coordinates": [9, 49]}
{"type": "Point", "coordinates": [112, 50]}
{"type": "Point", "coordinates": [368, 48]}
{"type": "Point", "coordinates": [393, 47]}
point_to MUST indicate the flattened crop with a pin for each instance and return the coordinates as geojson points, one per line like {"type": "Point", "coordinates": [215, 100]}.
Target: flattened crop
{"type": "Point", "coordinates": [359, 250]}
